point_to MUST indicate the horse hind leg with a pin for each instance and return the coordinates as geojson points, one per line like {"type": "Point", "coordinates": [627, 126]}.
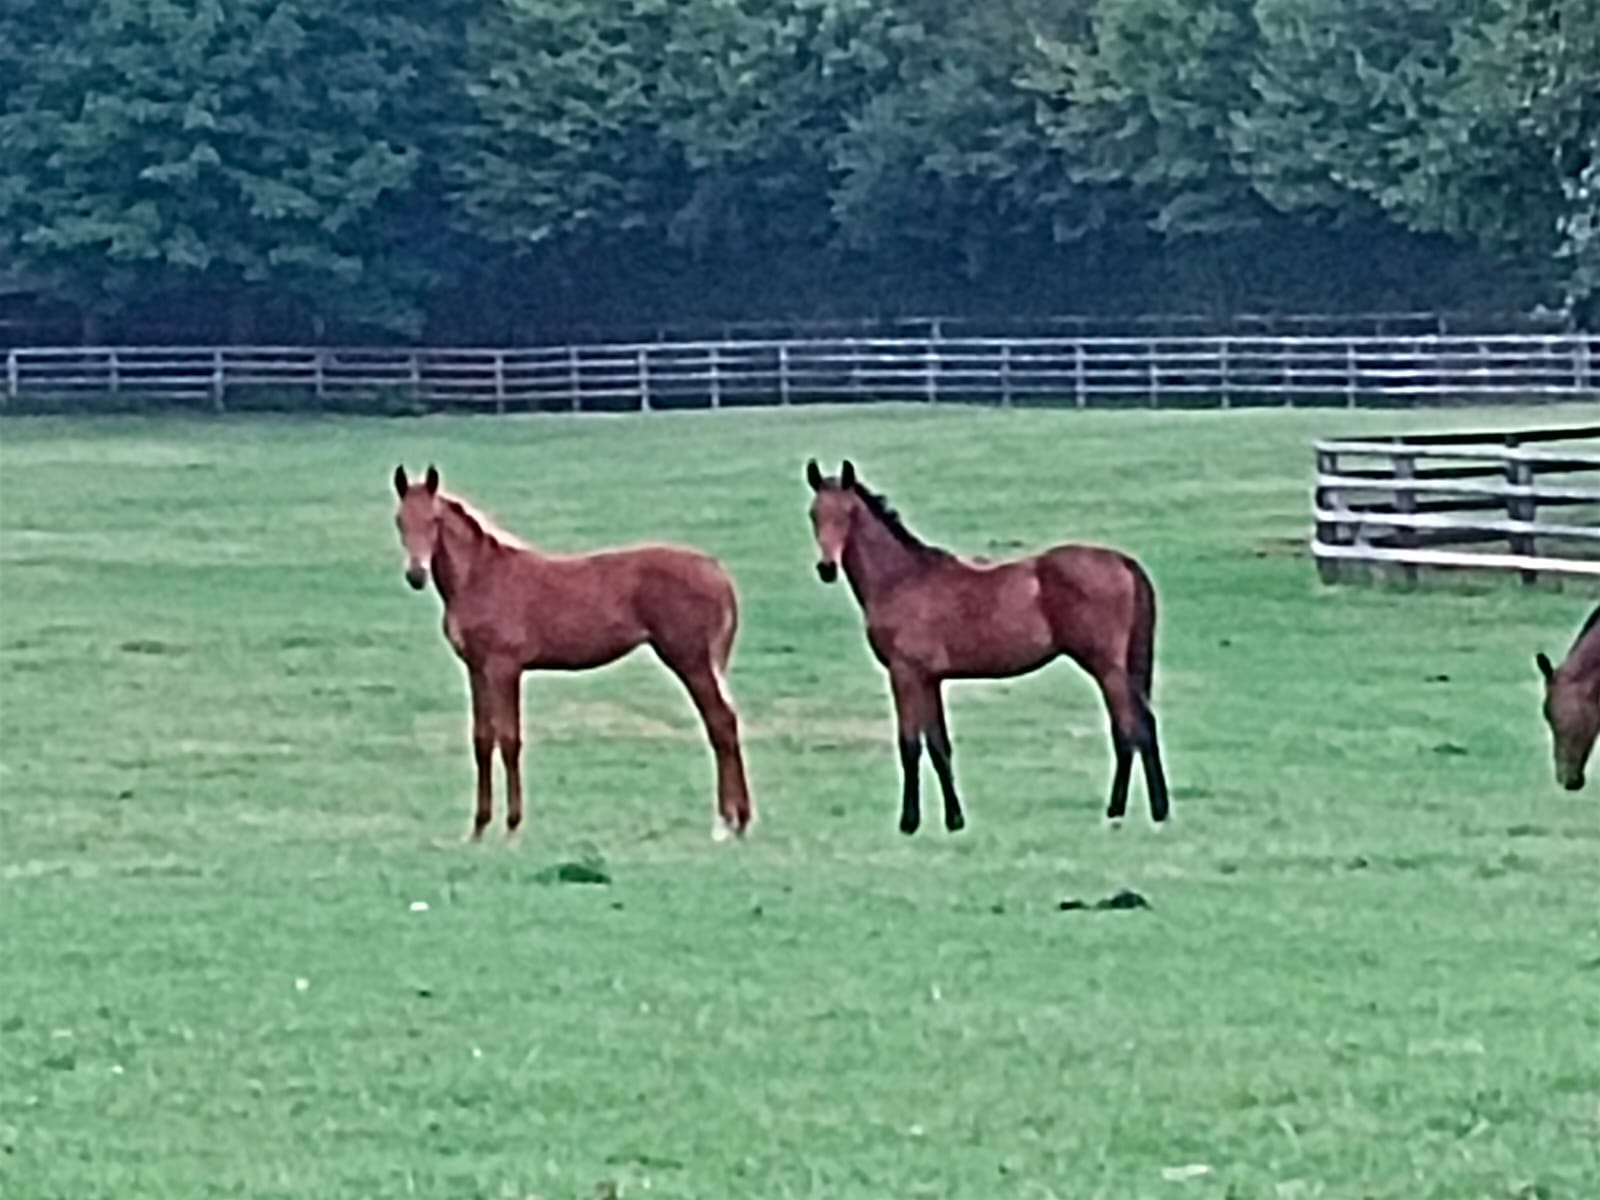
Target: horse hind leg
{"type": "Point", "coordinates": [1141, 669]}
{"type": "Point", "coordinates": [710, 695]}
{"type": "Point", "coordinates": [1155, 777]}
{"type": "Point", "coordinates": [1121, 775]}
{"type": "Point", "coordinates": [1133, 729]}
{"type": "Point", "coordinates": [1125, 710]}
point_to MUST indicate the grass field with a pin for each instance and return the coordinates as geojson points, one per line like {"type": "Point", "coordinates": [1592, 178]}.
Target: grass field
{"type": "Point", "coordinates": [233, 761]}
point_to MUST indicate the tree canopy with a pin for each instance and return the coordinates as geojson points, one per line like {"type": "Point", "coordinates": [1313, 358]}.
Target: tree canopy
{"type": "Point", "coordinates": [356, 166]}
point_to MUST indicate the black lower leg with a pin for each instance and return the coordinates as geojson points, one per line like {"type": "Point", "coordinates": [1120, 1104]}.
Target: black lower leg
{"type": "Point", "coordinates": [910, 801]}
{"type": "Point", "coordinates": [1119, 780]}
{"type": "Point", "coordinates": [939, 753]}
{"type": "Point", "coordinates": [1155, 779]}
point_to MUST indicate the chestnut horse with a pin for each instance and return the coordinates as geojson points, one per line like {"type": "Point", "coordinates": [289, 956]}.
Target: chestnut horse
{"type": "Point", "coordinates": [932, 616]}
{"type": "Point", "coordinates": [508, 608]}
{"type": "Point", "coordinates": [1572, 702]}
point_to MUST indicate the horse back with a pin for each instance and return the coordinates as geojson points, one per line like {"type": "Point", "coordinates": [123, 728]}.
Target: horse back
{"type": "Point", "coordinates": [683, 598]}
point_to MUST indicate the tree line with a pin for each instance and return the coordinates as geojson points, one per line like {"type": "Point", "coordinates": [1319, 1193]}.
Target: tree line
{"type": "Point", "coordinates": [474, 169]}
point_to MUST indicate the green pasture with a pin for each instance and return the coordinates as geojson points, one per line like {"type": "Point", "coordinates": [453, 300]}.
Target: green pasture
{"type": "Point", "coordinates": [245, 952]}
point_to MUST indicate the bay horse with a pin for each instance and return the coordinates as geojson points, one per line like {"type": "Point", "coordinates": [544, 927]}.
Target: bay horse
{"type": "Point", "coordinates": [1572, 702]}
{"type": "Point", "coordinates": [509, 608]}
{"type": "Point", "coordinates": [932, 615]}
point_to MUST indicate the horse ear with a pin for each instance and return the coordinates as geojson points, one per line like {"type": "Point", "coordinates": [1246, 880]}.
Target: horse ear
{"type": "Point", "coordinates": [814, 475]}
{"type": "Point", "coordinates": [847, 474]}
{"type": "Point", "coordinates": [400, 484]}
{"type": "Point", "coordinates": [1545, 668]}
{"type": "Point", "coordinates": [431, 482]}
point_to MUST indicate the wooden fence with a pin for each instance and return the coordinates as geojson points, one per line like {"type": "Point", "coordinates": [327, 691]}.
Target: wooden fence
{"type": "Point", "coordinates": [1460, 500]}
{"type": "Point", "coordinates": [1156, 371]}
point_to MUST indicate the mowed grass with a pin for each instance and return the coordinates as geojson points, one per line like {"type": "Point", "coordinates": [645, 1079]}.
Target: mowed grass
{"type": "Point", "coordinates": [234, 766]}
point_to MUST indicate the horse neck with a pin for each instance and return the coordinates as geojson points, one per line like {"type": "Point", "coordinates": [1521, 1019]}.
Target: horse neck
{"type": "Point", "coordinates": [1583, 662]}
{"type": "Point", "coordinates": [460, 552]}
{"type": "Point", "coordinates": [875, 559]}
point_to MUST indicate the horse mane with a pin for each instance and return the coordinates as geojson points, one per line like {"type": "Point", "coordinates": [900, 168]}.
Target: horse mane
{"type": "Point", "coordinates": [878, 505]}
{"type": "Point", "coordinates": [481, 522]}
{"type": "Point", "coordinates": [1594, 619]}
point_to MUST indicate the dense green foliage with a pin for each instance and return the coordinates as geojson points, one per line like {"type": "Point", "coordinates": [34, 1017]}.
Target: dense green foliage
{"type": "Point", "coordinates": [234, 764]}
{"type": "Point", "coordinates": [480, 163]}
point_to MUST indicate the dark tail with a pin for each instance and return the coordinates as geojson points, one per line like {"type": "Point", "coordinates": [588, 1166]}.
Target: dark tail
{"type": "Point", "coordinates": [1142, 638]}
{"type": "Point", "coordinates": [1141, 670]}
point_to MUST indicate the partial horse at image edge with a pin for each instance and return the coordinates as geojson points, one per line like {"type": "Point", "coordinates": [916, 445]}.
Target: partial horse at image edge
{"type": "Point", "coordinates": [932, 616]}
{"type": "Point", "coordinates": [509, 608]}
{"type": "Point", "coordinates": [1572, 703]}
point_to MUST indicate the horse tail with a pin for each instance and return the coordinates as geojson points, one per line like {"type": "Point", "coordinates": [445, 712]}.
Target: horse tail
{"type": "Point", "coordinates": [1141, 662]}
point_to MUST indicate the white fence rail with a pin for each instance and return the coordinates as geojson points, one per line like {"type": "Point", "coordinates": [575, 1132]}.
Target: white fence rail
{"type": "Point", "coordinates": [1155, 371]}
{"type": "Point", "coordinates": [1460, 500]}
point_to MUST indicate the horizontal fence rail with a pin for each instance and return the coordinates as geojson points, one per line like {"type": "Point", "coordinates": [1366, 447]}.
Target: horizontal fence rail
{"type": "Point", "coordinates": [1460, 500]}
{"type": "Point", "coordinates": [1156, 371]}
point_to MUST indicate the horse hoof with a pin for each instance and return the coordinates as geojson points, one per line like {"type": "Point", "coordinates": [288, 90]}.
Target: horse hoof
{"type": "Point", "coordinates": [721, 831]}
{"type": "Point", "coordinates": [909, 827]}
{"type": "Point", "coordinates": [956, 825]}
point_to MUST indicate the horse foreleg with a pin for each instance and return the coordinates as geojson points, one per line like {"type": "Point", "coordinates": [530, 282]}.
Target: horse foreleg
{"type": "Point", "coordinates": [482, 749]}
{"type": "Point", "coordinates": [911, 707]}
{"type": "Point", "coordinates": [506, 686]}
{"type": "Point", "coordinates": [939, 750]}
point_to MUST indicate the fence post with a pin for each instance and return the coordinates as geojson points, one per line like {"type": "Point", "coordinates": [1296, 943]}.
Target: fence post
{"type": "Point", "coordinates": [1153, 383]}
{"type": "Point", "coordinates": [1328, 533]}
{"type": "Point", "coordinates": [1405, 504]}
{"type": "Point", "coordinates": [783, 374]}
{"type": "Point", "coordinates": [714, 361]}
{"type": "Point", "coordinates": [1005, 374]}
{"type": "Point", "coordinates": [319, 374]}
{"type": "Point", "coordinates": [641, 368]}
{"type": "Point", "coordinates": [1581, 365]}
{"type": "Point", "coordinates": [1225, 371]}
{"type": "Point", "coordinates": [13, 376]}
{"type": "Point", "coordinates": [113, 371]}
{"type": "Point", "coordinates": [218, 380]}
{"type": "Point", "coordinates": [1520, 474]}
{"type": "Point", "coordinates": [500, 382]}
{"type": "Point", "coordinates": [1078, 388]}
{"type": "Point", "coordinates": [1351, 369]}
{"type": "Point", "coordinates": [415, 363]}
{"type": "Point", "coordinates": [573, 388]}
{"type": "Point", "coordinates": [930, 370]}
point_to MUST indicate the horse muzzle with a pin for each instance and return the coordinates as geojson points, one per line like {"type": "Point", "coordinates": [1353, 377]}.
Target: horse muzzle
{"type": "Point", "coordinates": [827, 571]}
{"type": "Point", "coordinates": [417, 576]}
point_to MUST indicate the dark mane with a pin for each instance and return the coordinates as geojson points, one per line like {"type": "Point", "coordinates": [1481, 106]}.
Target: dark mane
{"type": "Point", "coordinates": [1594, 619]}
{"type": "Point", "coordinates": [878, 505]}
